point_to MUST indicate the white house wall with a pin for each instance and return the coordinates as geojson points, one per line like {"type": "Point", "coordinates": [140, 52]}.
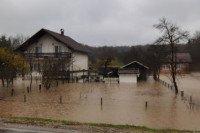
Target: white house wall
{"type": "Point", "coordinates": [128, 78]}
{"type": "Point", "coordinates": [80, 61]}
{"type": "Point", "coordinates": [48, 44]}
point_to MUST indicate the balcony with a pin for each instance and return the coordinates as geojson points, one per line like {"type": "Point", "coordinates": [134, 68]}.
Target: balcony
{"type": "Point", "coordinates": [62, 55]}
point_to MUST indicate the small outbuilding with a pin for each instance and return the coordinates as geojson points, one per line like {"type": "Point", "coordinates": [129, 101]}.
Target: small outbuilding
{"type": "Point", "coordinates": [132, 72]}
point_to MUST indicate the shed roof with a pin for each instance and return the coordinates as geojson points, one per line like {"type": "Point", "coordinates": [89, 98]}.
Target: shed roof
{"type": "Point", "coordinates": [134, 62]}
{"type": "Point", "coordinates": [69, 42]}
{"type": "Point", "coordinates": [128, 71]}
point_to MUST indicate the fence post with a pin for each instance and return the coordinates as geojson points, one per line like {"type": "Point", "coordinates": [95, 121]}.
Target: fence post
{"type": "Point", "coordinates": [24, 98]}
{"type": "Point", "coordinates": [190, 102]}
{"type": "Point", "coordinates": [40, 87]}
{"type": "Point", "coordinates": [182, 93]}
{"type": "Point", "coordinates": [12, 92]}
{"type": "Point", "coordinates": [60, 99]}
{"type": "Point", "coordinates": [27, 89]}
{"type": "Point", "coordinates": [146, 104]}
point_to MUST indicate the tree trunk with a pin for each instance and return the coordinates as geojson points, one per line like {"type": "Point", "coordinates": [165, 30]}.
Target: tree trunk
{"type": "Point", "coordinates": [3, 84]}
{"type": "Point", "coordinates": [31, 80]}
{"type": "Point", "coordinates": [173, 68]}
{"type": "Point", "coordinates": [155, 76]}
{"type": "Point", "coordinates": [174, 82]}
{"type": "Point", "coordinates": [7, 81]}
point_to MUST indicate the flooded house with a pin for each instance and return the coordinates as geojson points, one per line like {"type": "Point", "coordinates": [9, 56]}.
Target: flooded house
{"type": "Point", "coordinates": [132, 72]}
{"type": "Point", "coordinates": [183, 61]}
{"type": "Point", "coordinates": [61, 51]}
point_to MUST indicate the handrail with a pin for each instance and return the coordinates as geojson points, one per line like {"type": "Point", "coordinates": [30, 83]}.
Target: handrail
{"type": "Point", "coordinates": [47, 55]}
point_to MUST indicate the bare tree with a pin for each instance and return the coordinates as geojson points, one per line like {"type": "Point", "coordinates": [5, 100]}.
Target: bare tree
{"type": "Point", "coordinates": [171, 36]}
{"type": "Point", "coordinates": [156, 53]}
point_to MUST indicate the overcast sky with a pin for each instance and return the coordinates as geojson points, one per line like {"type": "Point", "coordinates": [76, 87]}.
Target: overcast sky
{"type": "Point", "coordinates": [98, 22]}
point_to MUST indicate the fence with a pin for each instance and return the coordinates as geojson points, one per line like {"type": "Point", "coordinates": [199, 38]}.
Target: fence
{"type": "Point", "coordinates": [188, 100]}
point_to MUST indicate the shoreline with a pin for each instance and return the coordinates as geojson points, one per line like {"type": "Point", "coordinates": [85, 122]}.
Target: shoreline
{"type": "Point", "coordinates": [82, 127]}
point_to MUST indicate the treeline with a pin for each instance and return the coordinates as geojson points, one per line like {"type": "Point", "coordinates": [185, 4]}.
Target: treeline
{"type": "Point", "coordinates": [121, 55]}
{"type": "Point", "coordinates": [11, 64]}
{"type": "Point", "coordinates": [147, 54]}
{"type": "Point", "coordinates": [12, 42]}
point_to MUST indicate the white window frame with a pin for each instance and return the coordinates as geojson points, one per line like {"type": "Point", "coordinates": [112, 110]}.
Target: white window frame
{"type": "Point", "coordinates": [179, 67]}
{"type": "Point", "coordinates": [166, 67]}
{"type": "Point", "coordinates": [59, 49]}
{"type": "Point", "coordinates": [38, 49]}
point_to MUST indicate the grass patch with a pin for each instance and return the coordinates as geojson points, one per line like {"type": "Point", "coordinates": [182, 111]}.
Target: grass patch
{"type": "Point", "coordinates": [142, 128]}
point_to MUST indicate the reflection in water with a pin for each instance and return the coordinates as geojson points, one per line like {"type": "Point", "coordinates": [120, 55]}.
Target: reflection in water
{"type": "Point", "coordinates": [121, 104]}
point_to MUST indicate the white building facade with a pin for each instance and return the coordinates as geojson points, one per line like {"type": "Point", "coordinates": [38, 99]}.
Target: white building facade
{"type": "Point", "coordinates": [61, 51]}
{"type": "Point", "coordinates": [132, 72]}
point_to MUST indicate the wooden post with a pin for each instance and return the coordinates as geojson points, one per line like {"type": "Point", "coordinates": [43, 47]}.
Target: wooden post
{"type": "Point", "coordinates": [60, 99]}
{"type": "Point", "coordinates": [190, 102]}
{"type": "Point", "coordinates": [12, 92]}
{"type": "Point", "coordinates": [146, 104]}
{"type": "Point", "coordinates": [101, 101]}
{"type": "Point", "coordinates": [40, 87]}
{"type": "Point", "coordinates": [57, 83]}
{"type": "Point", "coordinates": [182, 93]}
{"type": "Point", "coordinates": [24, 98]}
{"type": "Point", "coordinates": [27, 89]}
{"type": "Point", "coordinates": [88, 75]}
{"type": "Point", "coordinates": [83, 76]}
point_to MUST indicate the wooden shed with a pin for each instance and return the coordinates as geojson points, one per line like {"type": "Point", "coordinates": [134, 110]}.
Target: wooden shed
{"type": "Point", "coordinates": [132, 72]}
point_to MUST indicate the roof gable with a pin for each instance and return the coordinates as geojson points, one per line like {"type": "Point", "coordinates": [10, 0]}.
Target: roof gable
{"type": "Point", "coordinates": [134, 62]}
{"type": "Point", "coordinates": [179, 58]}
{"type": "Point", "coordinates": [183, 57]}
{"type": "Point", "coordinates": [69, 42]}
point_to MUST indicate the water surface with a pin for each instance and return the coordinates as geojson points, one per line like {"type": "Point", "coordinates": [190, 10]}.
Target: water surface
{"type": "Point", "coordinates": [122, 103]}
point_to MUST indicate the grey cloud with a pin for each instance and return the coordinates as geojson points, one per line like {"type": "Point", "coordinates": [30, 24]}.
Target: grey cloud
{"type": "Point", "coordinates": [98, 22]}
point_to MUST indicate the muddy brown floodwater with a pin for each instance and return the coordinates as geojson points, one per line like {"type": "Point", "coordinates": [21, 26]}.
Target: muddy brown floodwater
{"type": "Point", "coordinates": [121, 103]}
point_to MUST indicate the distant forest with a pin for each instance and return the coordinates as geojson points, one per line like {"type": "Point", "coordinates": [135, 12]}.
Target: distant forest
{"type": "Point", "coordinates": [145, 54]}
{"type": "Point", "coordinates": [119, 55]}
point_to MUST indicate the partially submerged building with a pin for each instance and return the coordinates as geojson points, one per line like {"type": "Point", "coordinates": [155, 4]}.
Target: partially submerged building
{"type": "Point", "coordinates": [182, 61]}
{"type": "Point", "coordinates": [132, 72]}
{"type": "Point", "coordinates": [61, 51]}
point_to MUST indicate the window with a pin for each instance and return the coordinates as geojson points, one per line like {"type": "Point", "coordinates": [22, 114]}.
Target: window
{"type": "Point", "coordinates": [166, 67]}
{"type": "Point", "coordinates": [39, 67]}
{"type": "Point", "coordinates": [58, 49]}
{"type": "Point", "coordinates": [179, 67]}
{"type": "Point", "coordinates": [63, 66]}
{"type": "Point", "coordinates": [38, 49]}
{"type": "Point", "coordinates": [35, 67]}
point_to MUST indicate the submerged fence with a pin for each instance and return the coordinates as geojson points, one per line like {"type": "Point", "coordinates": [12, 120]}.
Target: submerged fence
{"type": "Point", "coordinates": [188, 100]}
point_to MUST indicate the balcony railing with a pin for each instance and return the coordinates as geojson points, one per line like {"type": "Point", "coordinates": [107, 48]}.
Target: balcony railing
{"type": "Point", "coordinates": [48, 55]}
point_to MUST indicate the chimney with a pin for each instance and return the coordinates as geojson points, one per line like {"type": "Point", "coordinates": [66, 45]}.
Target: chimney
{"type": "Point", "coordinates": [62, 32]}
